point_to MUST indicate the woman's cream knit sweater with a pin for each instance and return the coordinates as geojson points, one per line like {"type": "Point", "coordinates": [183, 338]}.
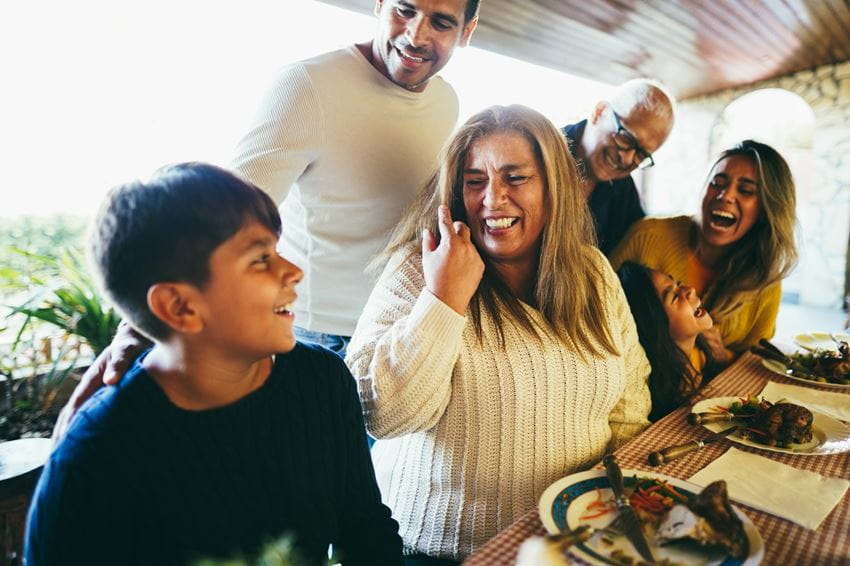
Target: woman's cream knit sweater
{"type": "Point", "coordinates": [470, 433]}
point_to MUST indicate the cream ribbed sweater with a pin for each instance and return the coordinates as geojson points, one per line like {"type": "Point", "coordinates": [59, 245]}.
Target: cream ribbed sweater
{"type": "Point", "coordinates": [343, 150]}
{"type": "Point", "coordinates": [471, 434]}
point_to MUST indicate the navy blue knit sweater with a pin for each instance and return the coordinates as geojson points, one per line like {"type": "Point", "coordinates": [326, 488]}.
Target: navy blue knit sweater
{"type": "Point", "coordinates": [138, 480]}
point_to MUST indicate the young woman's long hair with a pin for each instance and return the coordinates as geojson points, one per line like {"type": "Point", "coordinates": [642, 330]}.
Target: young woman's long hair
{"type": "Point", "coordinates": [673, 376]}
{"type": "Point", "coordinates": [568, 271]}
{"type": "Point", "coordinates": [767, 253]}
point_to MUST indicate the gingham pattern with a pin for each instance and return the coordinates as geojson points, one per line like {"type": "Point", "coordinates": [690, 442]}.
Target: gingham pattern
{"type": "Point", "coordinates": [785, 542]}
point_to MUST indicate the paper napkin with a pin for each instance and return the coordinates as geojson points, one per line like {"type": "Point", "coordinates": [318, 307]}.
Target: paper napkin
{"type": "Point", "coordinates": [775, 488]}
{"type": "Point", "coordinates": [836, 405]}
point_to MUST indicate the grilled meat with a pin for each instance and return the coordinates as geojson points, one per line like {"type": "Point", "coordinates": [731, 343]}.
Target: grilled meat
{"type": "Point", "coordinates": [780, 425]}
{"type": "Point", "coordinates": [708, 519]}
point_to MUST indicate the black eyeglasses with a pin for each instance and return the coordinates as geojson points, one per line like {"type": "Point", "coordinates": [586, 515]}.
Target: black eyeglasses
{"type": "Point", "coordinates": [625, 141]}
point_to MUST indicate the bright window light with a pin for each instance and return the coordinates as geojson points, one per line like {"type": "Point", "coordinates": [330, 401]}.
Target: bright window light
{"type": "Point", "coordinates": [99, 92]}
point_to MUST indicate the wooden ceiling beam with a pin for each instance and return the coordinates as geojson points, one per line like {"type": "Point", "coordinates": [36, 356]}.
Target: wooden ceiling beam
{"type": "Point", "coordinates": [693, 46]}
{"type": "Point", "coordinates": [829, 27]}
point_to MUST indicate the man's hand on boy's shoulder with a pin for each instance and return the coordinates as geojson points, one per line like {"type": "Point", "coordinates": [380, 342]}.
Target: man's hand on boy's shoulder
{"type": "Point", "coordinates": [107, 369]}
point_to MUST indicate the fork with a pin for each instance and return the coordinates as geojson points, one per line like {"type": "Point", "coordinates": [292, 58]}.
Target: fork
{"type": "Point", "coordinates": [583, 533]}
{"type": "Point", "coordinates": [616, 526]}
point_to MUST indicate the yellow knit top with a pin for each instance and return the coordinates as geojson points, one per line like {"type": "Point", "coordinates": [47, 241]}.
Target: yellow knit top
{"type": "Point", "coordinates": [662, 244]}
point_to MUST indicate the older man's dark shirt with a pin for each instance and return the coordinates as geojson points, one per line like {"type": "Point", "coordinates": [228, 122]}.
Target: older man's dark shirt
{"type": "Point", "coordinates": [615, 205]}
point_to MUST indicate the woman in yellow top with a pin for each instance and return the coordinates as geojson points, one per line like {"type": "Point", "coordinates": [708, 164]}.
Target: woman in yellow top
{"type": "Point", "coordinates": [670, 321]}
{"type": "Point", "coordinates": [735, 252]}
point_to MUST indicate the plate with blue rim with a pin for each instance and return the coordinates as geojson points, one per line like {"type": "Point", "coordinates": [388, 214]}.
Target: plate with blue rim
{"type": "Point", "coordinates": [566, 501]}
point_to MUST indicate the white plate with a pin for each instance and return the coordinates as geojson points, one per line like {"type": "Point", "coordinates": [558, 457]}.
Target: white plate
{"type": "Point", "coordinates": [782, 369]}
{"type": "Point", "coordinates": [566, 500]}
{"type": "Point", "coordinates": [829, 436]}
{"type": "Point", "coordinates": [821, 340]}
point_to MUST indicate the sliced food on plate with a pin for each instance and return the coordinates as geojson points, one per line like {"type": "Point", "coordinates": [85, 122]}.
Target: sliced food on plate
{"type": "Point", "coordinates": [773, 424]}
{"type": "Point", "coordinates": [825, 367]}
{"type": "Point", "coordinates": [709, 520]}
{"type": "Point", "coordinates": [683, 523]}
{"type": "Point", "coordinates": [778, 427]}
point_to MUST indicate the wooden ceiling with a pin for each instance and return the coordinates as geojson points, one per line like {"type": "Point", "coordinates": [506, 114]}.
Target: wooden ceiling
{"type": "Point", "coordinates": [693, 46]}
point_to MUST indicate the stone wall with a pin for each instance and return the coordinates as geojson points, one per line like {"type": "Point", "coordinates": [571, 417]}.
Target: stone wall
{"type": "Point", "coordinates": [677, 183]}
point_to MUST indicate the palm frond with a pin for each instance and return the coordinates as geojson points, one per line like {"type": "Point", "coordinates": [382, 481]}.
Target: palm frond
{"type": "Point", "coordinates": [71, 302]}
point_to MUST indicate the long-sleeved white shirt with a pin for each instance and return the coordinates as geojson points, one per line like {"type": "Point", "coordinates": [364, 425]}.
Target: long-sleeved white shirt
{"type": "Point", "coordinates": [344, 150]}
{"type": "Point", "coordinates": [471, 433]}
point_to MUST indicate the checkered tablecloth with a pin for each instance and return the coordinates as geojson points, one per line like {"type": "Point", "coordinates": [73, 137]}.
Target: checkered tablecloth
{"type": "Point", "coordinates": [785, 542]}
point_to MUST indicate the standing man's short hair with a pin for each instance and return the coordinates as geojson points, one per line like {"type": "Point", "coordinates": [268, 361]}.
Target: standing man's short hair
{"type": "Point", "coordinates": [471, 10]}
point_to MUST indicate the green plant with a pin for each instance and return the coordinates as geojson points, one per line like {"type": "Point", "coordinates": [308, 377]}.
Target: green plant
{"type": "Point", "coordinates": [30, 403]}
{"type": "Point", "coordinates": [70, 302]}
{"type": "Point", "coordinates": [40, 236]}
{"type": "Point", "coordinates": [59, 319]}
{"type": "Point", "coordinates": [281, 552]}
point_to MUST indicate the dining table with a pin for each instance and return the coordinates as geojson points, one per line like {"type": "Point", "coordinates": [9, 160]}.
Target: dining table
{"type": "Point", "coordinates": [21, 462]}
{"type": "Point", "coordinates": [785, 542]}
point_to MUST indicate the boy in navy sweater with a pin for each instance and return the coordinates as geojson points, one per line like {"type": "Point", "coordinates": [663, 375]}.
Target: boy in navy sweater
{"type": "Point", "coordinates": [226, 434]}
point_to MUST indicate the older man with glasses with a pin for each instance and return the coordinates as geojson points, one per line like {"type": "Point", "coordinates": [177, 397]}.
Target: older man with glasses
{"type": "Point", "coordinates": [619, 137]}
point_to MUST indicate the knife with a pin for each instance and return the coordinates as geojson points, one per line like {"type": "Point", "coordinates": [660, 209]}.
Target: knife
{"type": "Point", "coordinates": [672, 452]}
{"type": "Point", "coordinates": [705, 418]}
{"type": "Point", "coordinates": [627, 520]}
{"type": "Point", "coordinates": [769, 351]}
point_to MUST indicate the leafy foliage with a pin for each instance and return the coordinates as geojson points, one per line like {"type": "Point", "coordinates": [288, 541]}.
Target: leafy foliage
{"type": "Point", "coordinates": [52, 315]}
{"type": "Point", "coordinates": [31, 407]}
{"type": "Point", "coordinates": [70, 302]}
{"type": "Point", "coordinates": [278, 553]}
{"type": "Point", "coordinates": [39, 236]}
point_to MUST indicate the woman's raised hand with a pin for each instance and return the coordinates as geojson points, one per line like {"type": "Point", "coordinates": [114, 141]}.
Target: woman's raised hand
{"type": "Point", "coordinates": [453, 269]}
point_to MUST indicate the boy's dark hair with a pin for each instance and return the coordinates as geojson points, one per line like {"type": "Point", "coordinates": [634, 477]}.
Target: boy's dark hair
{"type": "Point", "coordinates": [670, 366]}
{"type": "Point", "coordinates": [166, 229]}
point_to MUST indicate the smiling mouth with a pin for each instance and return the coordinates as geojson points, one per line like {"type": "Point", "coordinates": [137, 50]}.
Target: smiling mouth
{"type": "Point", "coordinates": [700, 312]}
{"type": "Point", "coordinates": [284, 310]}
{"type": "Point", "coordinates": [722, 219]}
{"type": "Point", "coordinates": [615, 165]}
{"type": "Point", "coordinates": [410, 58]}
{"type": "Point", "coordinates": [501, 223]}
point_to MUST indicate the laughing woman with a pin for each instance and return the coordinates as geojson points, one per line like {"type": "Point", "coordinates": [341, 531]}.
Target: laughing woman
{"type": "Point", "coordinates": [503, 357]}
{"type": "Point", "coordinates": [736, 252]}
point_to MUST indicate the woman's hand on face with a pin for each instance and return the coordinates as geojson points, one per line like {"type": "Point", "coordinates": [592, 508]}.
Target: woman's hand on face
{"type": "Point", "coordinates": [721, 354]}
{"type": "Point", "coordinates": [453, 269]}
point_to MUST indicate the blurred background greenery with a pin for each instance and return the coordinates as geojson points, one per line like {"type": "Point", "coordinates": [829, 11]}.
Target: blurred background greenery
{"type": "Point", "coordinates": [53, 319]}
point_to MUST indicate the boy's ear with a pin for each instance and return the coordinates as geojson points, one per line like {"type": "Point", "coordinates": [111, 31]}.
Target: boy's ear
{"type": "Point", "coordinates": [175, 304]}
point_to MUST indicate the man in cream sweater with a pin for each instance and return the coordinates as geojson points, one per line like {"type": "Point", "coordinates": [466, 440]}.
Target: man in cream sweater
{"type": "Point", "coordinates": [344, 140]}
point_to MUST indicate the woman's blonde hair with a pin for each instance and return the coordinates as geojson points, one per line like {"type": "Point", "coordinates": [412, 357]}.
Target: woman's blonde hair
{"type": "Point", "coordinates": [569, 271]}
{"type": "Point", "coordinates": [767, 253]}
